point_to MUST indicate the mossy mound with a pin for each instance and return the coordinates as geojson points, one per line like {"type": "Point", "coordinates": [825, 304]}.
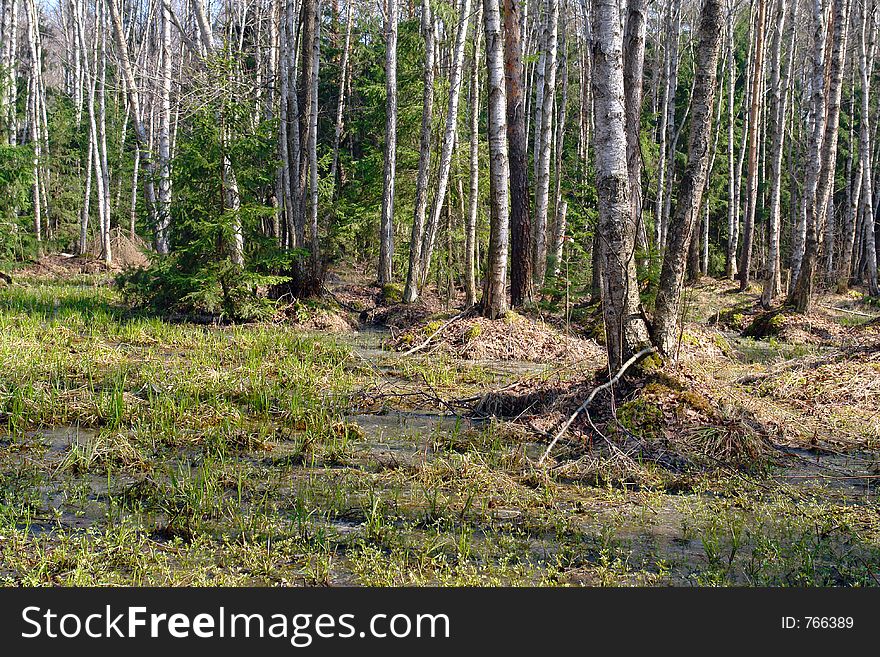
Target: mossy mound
{"type": "Point", "coordinates": [766, 324]}
{"type": "Point", "coordinates": [655, 422]}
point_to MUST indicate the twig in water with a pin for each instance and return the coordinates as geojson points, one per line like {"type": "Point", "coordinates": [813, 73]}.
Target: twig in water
{"type": "Point", "coordinates": [632, 361]}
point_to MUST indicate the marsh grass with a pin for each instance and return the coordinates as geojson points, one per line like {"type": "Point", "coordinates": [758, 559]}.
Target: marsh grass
{"type": "Point", "coordinates": [225, 455]}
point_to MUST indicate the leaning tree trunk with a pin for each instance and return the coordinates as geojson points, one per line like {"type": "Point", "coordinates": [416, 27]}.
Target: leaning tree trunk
{"type": "Point", "coordinates": [520, 222]}
{"type": "Point", "coordinates": [411, 291]}
{"type": "Point", "coordinates": [666, 320]}
{"type": "Point", "coordinates": [142, 151]}
{"type": "Point", "coordinates": [386, 227]}
{"type": "Point", "coordinates": [447, 147]}
{"type": "Point", "coordinates": [494, 302]}
{"type": "Point", "coordinates": [625, 328]}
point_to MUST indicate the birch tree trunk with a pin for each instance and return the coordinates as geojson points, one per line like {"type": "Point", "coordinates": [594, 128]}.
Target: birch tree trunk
{"type": "Point", "coordinates": [667, 122]}
{"type": "Point", "coordinates": [824, 193]}
{"type": "Point", "coordinates": [104, 187]}
{"type": "Point", "coordinates": [817, 186]}
{"type": "Point", "coordinates": [386, 228]}
{"type": "Point", "coordinates": [33, 121]}
{"type": "Point", "coordinates": [542, 162]}
{"type": "Point", "coordinates": [625, 327]}
{"type": "Point", "coordinates": [732, 219]}
{"type": "Point", "coordinates": [9, 69]}
{"type": "Point", "coordinates": [633, 74]}
{"type": "Point", "coordinates": [745, 262]}
{"type": "Point", "coordinates": [866, 61]}
{"type": "Point", "coordinates": [163, 212]}
{"type": "Point", "coordinates": [450, 134]}
{"type": "Point", "coordinates": [340, 105]}
{"type": "Point", "coordinates": [666, 315]}
{"type": "Point", "coordinates": [142, 152]}
{"type": "Point", "coordinates": [854, 183]}
{"type": "Point", "coordinates": [411, 290]}
{"type": "Point", "coordinates": [779, 82]}
{"type": "Point", "coordinates": [470, 283]}
{"type": "Point", "coordinates": [494, 302]}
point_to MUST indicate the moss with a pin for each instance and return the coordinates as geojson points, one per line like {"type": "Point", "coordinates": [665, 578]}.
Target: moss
{"type": "Point", "coordinates": [721, 342]}
{"type": "Point", "coordinates": [642, 417]}
{"type": "Point", "coordinates": [651, 363]}
{"type": "Point", "coordinates": [473, 332]}
{"type": "Point", "coordinates": [765, 325]}
{"type": "Point", "coordinates": [392, 293]}
{"type": "Point", "coordinates": [432, 327]}
{"type": "Point", "coordinates": [697, 401]}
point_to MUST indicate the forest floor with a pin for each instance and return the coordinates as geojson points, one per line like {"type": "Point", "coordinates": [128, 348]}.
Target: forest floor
{"type": "Point", "coordinates": [358, 442]}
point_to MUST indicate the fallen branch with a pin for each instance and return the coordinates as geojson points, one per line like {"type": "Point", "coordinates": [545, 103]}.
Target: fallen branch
{"type": "Point", "coordinates": [444, 325]}
{"type": "Point", "coordinates": [632, 361]}
{"type": "Point", "coordinates": [852, 312]}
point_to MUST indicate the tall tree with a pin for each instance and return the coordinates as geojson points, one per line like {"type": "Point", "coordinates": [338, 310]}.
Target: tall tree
{"type": "Point", "coordinates": [450, 135]}
{"type": "Point", "coordinates": [778, 102]}
{"type": "Point", "coordinates": [633, 74]}
{"type": "Point", "coordinates": [494, 302]}
{"type": "Point", "coordinates": [745, 261]}
{"type": "Point", "coordinates": [520, 222]}
{"type": "Point", "coordinates": [545, 144]}
{"type": "Point", "coordinates": [470, 283]}
{"type": "Point", "coordinates": [411, 290]}
{"type": "Point", "coordinates": [625, 328]}
{"type": "Point", "coordinates": [818, 187]}
{"type": "Point", "coordinates": [666, 316]}
{"type": "Point", "coordinates": [386, 227]}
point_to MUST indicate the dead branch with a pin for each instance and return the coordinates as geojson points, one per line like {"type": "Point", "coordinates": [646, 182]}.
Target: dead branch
{"type": "Point", "coordinates": [443, 326]}
{"type": "Point", "coordinates": [632, 361]}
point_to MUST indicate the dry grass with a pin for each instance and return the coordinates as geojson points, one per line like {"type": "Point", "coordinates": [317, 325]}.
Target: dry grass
{"type": "Point", "coordinates": [515, 338]}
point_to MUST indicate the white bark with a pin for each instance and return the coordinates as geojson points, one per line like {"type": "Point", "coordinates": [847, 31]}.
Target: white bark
{"type": "Point", "coordinates": [386, 228]}
{"type": "Point", "coordinates": [494, 302]}
{"type": "Point", "coordinates": [626, 330]}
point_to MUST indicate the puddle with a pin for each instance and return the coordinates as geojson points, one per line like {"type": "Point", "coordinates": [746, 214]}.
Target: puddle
{"type": "Point", "coordinates": [851, 474]}
{"type": "Point", "coordinates": [61, 439]}
{"type": "Point", "coordinates": [405, 435]}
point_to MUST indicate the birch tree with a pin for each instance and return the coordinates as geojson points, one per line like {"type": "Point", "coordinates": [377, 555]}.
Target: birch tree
{"type": "Point", "coordinates": [625, 328]}
{"type": "Point", "coordinates": [494, 302]}
{"type": "Point", "coordinates": [666, 316]}
{"type": "Point", "coordinates": [470, 283]}
{"type": "Point", "coordinates": [778, 108]}
{"type": "Point", "coordinates": [386, 227]}
{"type": "Point", "coordinates": [542, 158]}
{"type": "Point", "coordinates": [411, 290]}
{"type": "Point", "coordinates": [745, 262]}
